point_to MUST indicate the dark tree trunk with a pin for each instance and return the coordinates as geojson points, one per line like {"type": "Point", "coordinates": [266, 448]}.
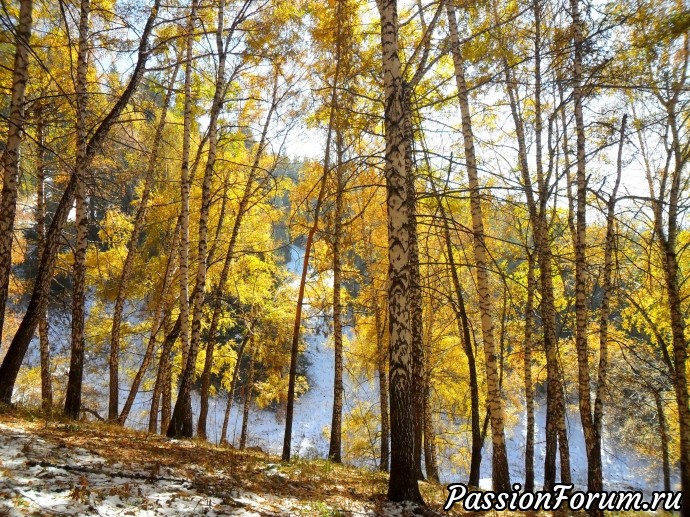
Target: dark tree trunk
{"type": "Point", "coordinates": [46, 378]}
{"type": "Point", "coordinates": [464, 330]}
{"type": "Point", "coordinates": [248, 390]}
{"type": "Point", "coordinates": [591, 433]}
{"type": "Point", "coordinates": [430, 462]}
{"type": "Point", "coordinates": [231, 391]}
{"type": "Point", "coordinates": [527, 369]}
{"type": "Point", "coordinates": [334, 449]}
{"type": "Point", "coordinates": [664, 439]}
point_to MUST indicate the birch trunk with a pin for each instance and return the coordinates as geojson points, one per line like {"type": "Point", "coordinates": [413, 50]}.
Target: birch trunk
{"type": "Point", "coordinates": [76, 367]}
{"type": "Point", "coordinates": [185, 187]}
{"type": "Point", "coordinates": [402, 485]}
{"type": "Point", "coordinates": [415, 291]}
{"type": "Point", "coordinates": [10, 157]}
{"type": "Point", "coordinates": [500, 472]}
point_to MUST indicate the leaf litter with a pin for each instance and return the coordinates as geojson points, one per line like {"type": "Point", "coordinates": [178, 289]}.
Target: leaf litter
{"type": "Point", "coordinates": [51, 467]}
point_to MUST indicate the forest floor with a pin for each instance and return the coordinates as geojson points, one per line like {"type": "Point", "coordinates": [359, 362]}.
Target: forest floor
{"type": "Point", "coordinates": [58, 467]}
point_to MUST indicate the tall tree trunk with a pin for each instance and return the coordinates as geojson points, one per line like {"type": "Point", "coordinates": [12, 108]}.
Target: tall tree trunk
{"type": "Point", "coordinates": [132, 245]}
{"type": "Point", "coordinates": [381, 360]}
{"type": "Point", "coordinates": [184, 190]}
{"type": "Point", "coordinates": [294, 349]}
{"type": "Point", "coordinates": [668, 246]}
{"type": "Point", "coordinates": [402, 484]}
{"type": "Point", "coordinates": [248, 389]}
{"type": "Point", "coordinates": [500, 472]}
{"type": "Point", "coordinates": [20, 343]}
{"type": "Point", "coordinates": [334, 449]}
{"type": "Point", "coordinates": [663, 436]}
{"type": "Point", "coordinates": [573, 232]}
{"type": "Point", "coordinates": [231, 391]}
{"type": "Point", "coordinates": [415, 290]}
{"type": "Point", "coordinates": [464, 331]}
{"type": "Point", "coordinates": [527, 374]}
{"type": "Point", "coordinates": [555, 403]}
{"type": "Point", "coordinates": [10, 156]}
{"type": "Point", "coordinates": [46, 378]}
{"type": "Point", "coordinates": [592, 439]}
{"type": "Point", "coordinates": [76, 367]}
{"type": "Point", "coordinates": [229, 257]}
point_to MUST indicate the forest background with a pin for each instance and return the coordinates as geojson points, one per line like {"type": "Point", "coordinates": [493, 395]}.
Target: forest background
{"type": "Point", "coordinates": [482, 205]}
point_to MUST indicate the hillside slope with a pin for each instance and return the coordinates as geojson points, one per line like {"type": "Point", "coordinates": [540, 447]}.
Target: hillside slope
{"type": "Point", "coordinates": [62, 468]}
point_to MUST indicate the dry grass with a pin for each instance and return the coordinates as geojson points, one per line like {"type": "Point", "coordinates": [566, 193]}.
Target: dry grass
{"type": "Point", "coordinates": [321, 485]}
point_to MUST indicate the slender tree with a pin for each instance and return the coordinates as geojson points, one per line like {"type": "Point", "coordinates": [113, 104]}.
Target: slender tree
{"type": "Point", "coordinates": [133, 243]}
{"type": "Point", "coordinates": [242, 209]}
{"type": "Point", "coordinates": [76, 367]}
{"type": "Point", "coordinates": [10, 155]}
{"type": "Point", "coordinates": [334, 448]}
{"type": "Point", "coordinates": [44, 343]}
{"type": "Point", "coordinates": [294, 349]}
{"type": "Point", "coordinates": [500, 472]}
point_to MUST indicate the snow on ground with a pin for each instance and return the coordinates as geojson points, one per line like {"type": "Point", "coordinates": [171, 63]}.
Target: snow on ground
{"type": "Point", "coordinates": [44, 477]}
{"type": "Point", "coordinates": [47, 476]}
